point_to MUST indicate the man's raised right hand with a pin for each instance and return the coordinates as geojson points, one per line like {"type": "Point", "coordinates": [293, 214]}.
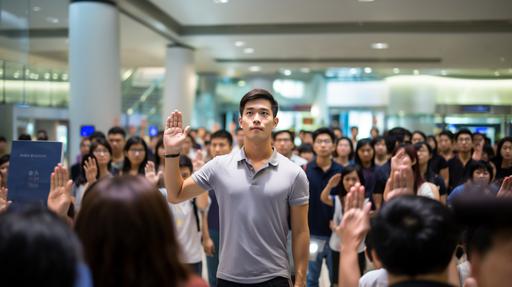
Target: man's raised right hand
{"type": "Point", "coordinates": [175, 134]}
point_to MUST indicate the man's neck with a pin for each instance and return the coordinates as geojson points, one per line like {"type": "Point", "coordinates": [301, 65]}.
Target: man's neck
{"type": "Point", "coordinates": [434, 277]}
{"type": "Point", "coordinates": [342, 159]}
{"type": "Point", "coordinates": [324, 162]}
{"type": "Point", "coordinates": [381, 158]}
{"type": "Point", "coordinates": [258, 151]}
{"type": "Point", "coordinates": [464, 157]}
{"type": "Point", "coordinates": [117, 156]}
{"type": "Point", "coordinates": [447, 154]}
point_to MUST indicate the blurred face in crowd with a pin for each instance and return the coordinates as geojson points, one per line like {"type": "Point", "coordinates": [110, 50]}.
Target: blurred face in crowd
{"type": "Point", "coordinates": [257, 120]}
{"type": "Point", "coordinates": [423, 155]}
{"type": "Point", "coordinates": [432, 143]}
{"type": "Point", "coordinates": [323, 145]}
{"type": "Point", "coordinates": [464, 143]}
{"type": "Point", "coordinates": [117, 142]}
{"type": "Point", "coordinates": [381, 148]}
{"type": "Point", "coordinates": [187, 145]}
{"type": "Point", "coordinates": [374, 133]}
{"type": "Point", "coordinates": [283, 143]}
{"type": "Point", "coordinates": [445, 143]}
{"type": "Point", "coordinates": [337, 133]}
{"type": "Point", "coordinates": [481, 176]}
{"type": "Point", "coordinates": [185, 172]}
{"type": "Point", "coordinates": [494, 267]}
{"type": "Point", "coordinates": [506, 151]}
{"type": "Point", "coordinates": [3, 147]}
{"type": "Point", "coordinates": [136, 154]}
{"type": "Point", "coordinates": [4, 170]}
{"type": "Point", "coordinates": [307, 156]}
{"type": "Point", "coordinates": [350, 180]}
{"type": "Point", "coordinates": [102, 155]}
{"type": "Point", "coordinates": [365, 153]}
{"type": "Point", "coordinates": [343, 147]}
{"type": "Point", "coordinates": [85, 146]}
{"type": "Point", "coordinates": [416, 138]}
{"type": "Point", "coordinates": [219, 146]}
{"type": "Point", "coordinates": [307, 138]}
{"type": "Point", "coordinates": [354, 132]}
{"type": "Point", "coordinates": [478, 140]}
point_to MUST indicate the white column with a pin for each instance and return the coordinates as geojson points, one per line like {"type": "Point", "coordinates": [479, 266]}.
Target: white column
{"type": "Point", "coordinates": [94, 65]}
{"type": "Point", "coordinates": [180, 83]}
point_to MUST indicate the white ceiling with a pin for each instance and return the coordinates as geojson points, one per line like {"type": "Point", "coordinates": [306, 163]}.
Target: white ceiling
{"type": "Point", "coordinates": [142, 47]}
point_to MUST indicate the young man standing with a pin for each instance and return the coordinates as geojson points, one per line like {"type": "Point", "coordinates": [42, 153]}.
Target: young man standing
{"type": "Point", "coordinates": [458, 165]}
{"type": "Point", "coordinates": [257, 189]}
{"type": "Point", "coordinates": [445, 146]}
{"type": "Point", "coordinates": [117, 138]}
{"type": "Point", "coordinates": [283, 141]}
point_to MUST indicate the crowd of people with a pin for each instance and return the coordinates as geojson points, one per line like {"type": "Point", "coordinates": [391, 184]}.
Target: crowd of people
{"type": "Point", "coordinates": [399, 208]}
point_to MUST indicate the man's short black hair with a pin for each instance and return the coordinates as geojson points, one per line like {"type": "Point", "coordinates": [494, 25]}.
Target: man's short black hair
{"type": "Point", "coordinates": [222, 134]}
{"type": "Point", "coordinates": [414, 235]}
{"type": "Point", "coordinates": [117, 131]}
{"type": "Point", "coordinates": [185, 161]}
{"type": "Point", "coordinates": [326, 131]}
{"type": "Point", "coordinates": [292, 136]}
{"type": "Point", "coordinates": [463, 132]}
{"type": "Point", "coordinates": [447, 134]}
{"type": "Point", "coordinates": [257, 94]}
{"type": "Point", "coordinates": [24, 137]}
{"type": "Point", "coordinates": [305, 148]}
{"type": "Point", "coordinates": [3, 139]}
{"type": "Point", "coordinates": [97, 134]}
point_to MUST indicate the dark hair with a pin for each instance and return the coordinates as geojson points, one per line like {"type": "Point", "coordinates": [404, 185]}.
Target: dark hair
{"type": "Point", "coordinates": [97, 134]}
{"type": "Point", "coordinates": [412, 227]}
{"type": "Point", "coordinates": [5, 158]}
{"type": "Point", "coordinates": [361, 143]}
{"type": "Point", "coordinates": [418, 145]}
{"type": "Point", "coordinates": [117, 131]}
{"type": "Point", "coordinates": [351, 154]}
{"type": "Point", "coordinates": [37, 249]}
{"type": "Point", "coordinates": [463, 132]}
{"type": "Point", "coordinates": [127, 165]}
{"type": "Point", "coordinates": [431, 137]}
{"type": "Point", "coordinates": [222, 134]}
{"type": "Point", "coordinates": [378, 139]}
{"type": "Point", "coordinates": [159, 143]}
{"type": "Point", "coordinates": [396, 136]}
{"type": "Point", "coordinates": [305, 148]}
{"type": "Point", "coordinates": [480, 164]}
{"type": "Point", "coordinates": [24, 137]}
{"type": "Point", "coordinates": [422, 134]}
{"type": "Point", "coordinates": [128, 235]}
{"type": "Point", "coordinates": [447, 134]}
{"type": "Point", "coordinates": [186, 162]}
{"type": "Point", "coordinates": [42, 135]}
{"type": "Point", "coordinates": [257, 94]}
{"type": "Point", "coordinates": [347, 170]}
{"type": "Point", "coordinates": [275, 134]}
{"type": "Point", "coordinates": [103, 142]}
{"type": "Point", "coordinates": [326, 131]}
{"type": "Point", "coordinates": [3, 139]}
{"type": "Point", "coordinates": [498, 159]}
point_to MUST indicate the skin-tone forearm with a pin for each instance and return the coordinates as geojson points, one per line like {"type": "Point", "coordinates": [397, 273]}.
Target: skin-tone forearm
{"type": "Point", "coordinates": [173, 180]}
{"type": "Point", "coordinates": [300, 243]}
{"type": "Point", "coordinates": [377, 199]}
{"type": "Point", "coordinates": [349, 272]}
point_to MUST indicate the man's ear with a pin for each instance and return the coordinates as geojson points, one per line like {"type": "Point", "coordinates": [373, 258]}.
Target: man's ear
{"type": "Point", "coordinates": [240, 121]}
{"type": "Point", "coordinates": [276, 121]}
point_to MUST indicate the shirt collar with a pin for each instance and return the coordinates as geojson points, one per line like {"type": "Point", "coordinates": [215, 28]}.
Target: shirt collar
{"type": "Point", "coordinates": [273, 160]}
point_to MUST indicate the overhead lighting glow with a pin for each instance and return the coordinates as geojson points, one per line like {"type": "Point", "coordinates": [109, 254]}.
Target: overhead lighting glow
{"type": "Point", "coordinates": [248, 50]}
{"type": "Point", "coordinates": [353, 71]}
{"type": "Point", "coordinates": [255, 68]}
{"type": "Point", "coordinates": [241, 83]}
{"type": "Point", "coordinates": [287, 72]}
{"type": "Point", "coordinates": [52, 20]}
{"type": "Point", "coordinates": [497, 74]}
{"type": "Point", "coordinates": [305, 70]}
{"type": "Point", "coordinates": [239, 43]}
{"type": "Point", "coordinates": [36, 8]}
{"type": "Point", "coordinates": [444, 73]}
{"type": "Point", "coordinates": [416, 72]}
{"type": "Point", "coordinates": [368, 70]}
{"type": "Point", "coordinates": [365, 0]}
{"type": "Point", "coordinates": [380, 46]}
{"type": "Point", "coordinates": [220, 1]}
{"type": "Point", "coordinates": [396, 70]}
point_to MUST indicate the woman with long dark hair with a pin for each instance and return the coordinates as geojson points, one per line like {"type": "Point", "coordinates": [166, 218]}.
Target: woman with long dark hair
{"type": "Point", "coordinates": [136, 156]}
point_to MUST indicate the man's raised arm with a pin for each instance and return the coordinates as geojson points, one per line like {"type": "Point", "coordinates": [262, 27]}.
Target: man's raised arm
{"type": "Point", "coordinates": [178, 190]}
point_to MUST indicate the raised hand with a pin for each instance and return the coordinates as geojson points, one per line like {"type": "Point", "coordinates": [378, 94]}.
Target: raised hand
{"type": "Point", "coordinates": [151, 175]}
{"type": "Point", "coordinates": [334, 180]}
{"type": "Point", "coordinates": [4, 203]}
{"type": "Point", "coordinates": [356, 219]}
{"type": "Point", "coordinates": [59, 198]}
{"type": "Point", "coordinates": [91, 170]}
{"type": "Point", "coordinates": [506, 187]}
{"type": "Point", "coordinates": [400, 182]}
{"type": "Point", "coordinates": [175, 134]}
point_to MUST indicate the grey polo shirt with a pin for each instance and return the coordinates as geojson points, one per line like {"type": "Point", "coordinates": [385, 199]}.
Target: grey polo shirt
{"type": "Point", "coordinates": [254, 209]}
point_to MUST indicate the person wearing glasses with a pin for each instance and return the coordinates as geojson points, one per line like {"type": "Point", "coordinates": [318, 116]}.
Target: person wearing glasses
{"type": "Point", "coordinates": [458, 165]}
{"type": "Point", "coordinates": [136, 156]}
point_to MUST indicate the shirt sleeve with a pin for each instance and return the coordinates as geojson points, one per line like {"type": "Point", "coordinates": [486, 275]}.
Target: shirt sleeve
{"type": "Point", "coordinates": [299, 194]}
{"type": "Point", "coordinates": [204, 177]}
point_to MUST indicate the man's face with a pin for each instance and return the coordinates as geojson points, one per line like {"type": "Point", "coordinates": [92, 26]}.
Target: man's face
{"type": "Point", "coordinates": [478, 140]}
{"type": "Point", "coordinates": [219, 146]}
{"type": "Point", "coordinates": [445, 143]}
{"type": "Point", "coordinates": [283, 143]}
{"type": "Point", "coordinates": [481, 176]}
{"type": "Point", "coordinates": [257, 120]}
{"type": "Point", "coordinates": [381, 148]}
{"type": "Point", "coordinates": [117, 142]}
{"type": "Point", "coordinates": [85, 147]}
{"type": "Point", "coordinates": [323, 145]}
{"type": "Point", "coordinates": [506, 150]}
{"type": "Point", "coordinates": [464, 143]}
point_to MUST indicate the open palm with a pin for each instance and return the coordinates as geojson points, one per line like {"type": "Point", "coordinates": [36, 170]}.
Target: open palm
{"type": "Point", "coordinates": [175, 134]}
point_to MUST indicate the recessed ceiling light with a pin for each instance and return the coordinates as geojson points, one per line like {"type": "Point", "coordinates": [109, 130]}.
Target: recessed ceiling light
{"type": "Point", "coordinates": [248, 50]}
{"type": "Point", "coordinates": [305, 70]}
{"type": "Point", "coordinates": [353, 71]}
{"type": "Point", "coordinates": [287, 72]}
{"type": "Point", "coordinates": [365, 0]}
{"type": "Point", "coordinates": [255, 68]}
{"type": "Point", "coordinates": [241, 83]}
{"type": "Point", "coordinates": [502, 59]}
{"type": "Point", "coordinates": [330, 74]}
{"type": "Point", "coordinates": [380, 46]}
{"type": "Point", "coordinates": [52, 20]}
{"type": "Point", "coordinates": [444, 73]}
{"type": "Point", "coordinates": [416, 72]}
{"type": "Point", "coordinates": [367, 70]}
{"type": "Point", "coordinates": [497, 74]}
{"type": "Point", "coordinates": [220, 1]}
{"type": "Point", "coordinates": [36, 8]}
{"type": "Point", "coordinates": [239, 43]}
{"type": "Point", "coordinates": [396, 70]}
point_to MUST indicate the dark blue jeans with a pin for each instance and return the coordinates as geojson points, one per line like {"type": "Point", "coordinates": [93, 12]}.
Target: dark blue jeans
{"type": "Point", "coordinates": [276, 282]}
{"type": "Point", "coordinates": [212, 262]}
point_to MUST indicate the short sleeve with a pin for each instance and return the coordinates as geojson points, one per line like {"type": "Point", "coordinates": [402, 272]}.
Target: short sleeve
{"type": "Point", "coordinates": [204, 177]}
{"type": "Point", "coordinates": [299, 194]}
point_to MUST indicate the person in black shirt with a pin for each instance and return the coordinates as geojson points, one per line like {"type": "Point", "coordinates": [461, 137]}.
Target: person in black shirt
{"type": "Point", "coordinates": [424, 159]}
{"type": "Point", "coordinates": [503, 159]}
{"type": "Point", "coordinates": [458, 165]}
{"type": "Point", "coordinates": [437, 163]}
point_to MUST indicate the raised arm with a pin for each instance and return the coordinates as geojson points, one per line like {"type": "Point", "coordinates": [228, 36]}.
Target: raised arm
{"type": "Point", "coordinates": [178, 190]}
{"type": "Point", "coordinates": [325, 195]}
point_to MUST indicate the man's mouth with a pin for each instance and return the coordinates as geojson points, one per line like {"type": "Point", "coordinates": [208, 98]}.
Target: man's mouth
{"type": "Point", "coordinates": [257, 128]}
